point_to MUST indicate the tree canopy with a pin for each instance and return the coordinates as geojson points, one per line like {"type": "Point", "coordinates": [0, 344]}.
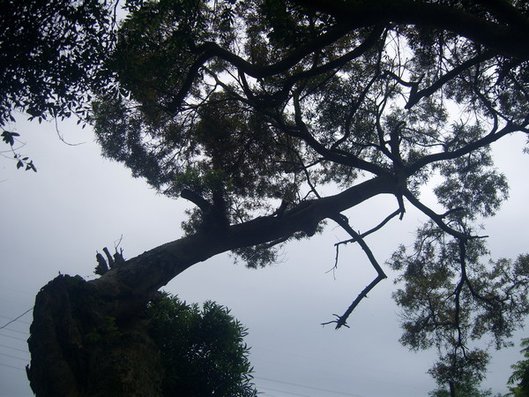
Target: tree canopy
{"type": "Point", "coordinates": [51, 58]}
{"type": "Point", "coordinates": [254, 109]}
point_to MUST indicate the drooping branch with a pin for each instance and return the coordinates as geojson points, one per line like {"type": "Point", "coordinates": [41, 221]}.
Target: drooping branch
{"type": "Point", "coordinates": [339, 62]}
{"type": "Point", "coordinates": [342, 320]}
{"type": "Point", "coordinates": [354, 108]}
{"type": "Point", "coordinates": [438, 219]}
{"type": "Point", "coordinates": [302, 131]}
{"type": "Point", "coordinates": [209, 50]}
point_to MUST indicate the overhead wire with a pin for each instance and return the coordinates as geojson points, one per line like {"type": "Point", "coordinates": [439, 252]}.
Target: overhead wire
{"type": "Point", "coordinates": [14, 348]}
{"type": "Point", "coordinates": [15, 357]}
{"type": "Point", "coordinates": [306, 387]}
{"type": "Point", "coordinates": [11, 366]}
{"type": "Point", "coordinates": [16, 318]}
{"type": "Point", "coordinates": [19, 321]}
{"type": "Point", "coordinates": [284, 391]}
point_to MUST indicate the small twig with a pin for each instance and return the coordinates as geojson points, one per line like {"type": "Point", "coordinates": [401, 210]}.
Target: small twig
{"type": "Point", "coordinates": [116, 245]}
{"type": "Point", "coordinates": [373, 230]}
{"type": "Point", "coordinates": [61, 137]}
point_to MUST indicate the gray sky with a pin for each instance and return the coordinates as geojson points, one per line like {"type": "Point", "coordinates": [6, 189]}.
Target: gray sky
{"type": "Point", "coordinates": [55, 220]}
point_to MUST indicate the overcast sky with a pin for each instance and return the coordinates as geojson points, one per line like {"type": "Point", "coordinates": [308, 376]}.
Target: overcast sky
{"type": "Point", "coordinates": [55, 220]}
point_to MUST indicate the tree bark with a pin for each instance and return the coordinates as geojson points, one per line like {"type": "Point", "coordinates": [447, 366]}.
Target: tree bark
{"type": "Point", "coordinates": [80, 348]}
{"type": "Point", "coordinates": [452, 387]}
{"type": "Point", "coordinates": [90, 338]}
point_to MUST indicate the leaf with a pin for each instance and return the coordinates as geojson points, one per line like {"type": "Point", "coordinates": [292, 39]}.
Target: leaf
{"type": "Point", "coordinates": [31, 166]}
{"type": "Point", "coordinates": [9, 137]}
{"type": "Point", "coordinates": [20, 164]}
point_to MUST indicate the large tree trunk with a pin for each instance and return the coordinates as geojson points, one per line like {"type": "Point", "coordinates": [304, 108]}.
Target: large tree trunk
{"type": "Point", "coordinates": [80, 348]}
{"type": "Point", "coordinates": [90, 338]}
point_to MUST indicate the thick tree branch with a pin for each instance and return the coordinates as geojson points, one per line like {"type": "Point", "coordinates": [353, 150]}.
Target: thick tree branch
{"type": "Point", "coordinates": [141, 276]}
{"type": "Point", "coordinates": [301, 131]}
{"type": "Point", "coordinates": [417, 95]}
{"type": "Point", "coordinates": [259, 71]}
{"type": "Point", "coordinates": [505, 12]}
{"type": "Point", "coordinates": [196, 199]}
{"type": "Point", "coordinates": [438, 219]}
{"type": "Point", "coordinates": [509, 40]}
{"type": "Point", "coordinates": [470, 147]}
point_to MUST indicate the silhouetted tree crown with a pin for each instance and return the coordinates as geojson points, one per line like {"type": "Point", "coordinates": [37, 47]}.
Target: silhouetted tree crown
{"type": "Point", "coordinates": [251, 109]}
{"type": "Point", "coordinates": [203, 349]}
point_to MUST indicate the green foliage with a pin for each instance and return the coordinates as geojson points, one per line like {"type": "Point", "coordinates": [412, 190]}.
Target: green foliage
{"type": "Point", "coordinates": [450, 298]}
{"type": "Point", "coordinates": [52, 53]}
{"type": "Point", "coordinates": [203, 351]}
{"type": "Point", "coordinates": [471, 184]}
{"type": "Point", "coordinates": [51, 60]}
{"type": "Point", "coordinates": [520, 375]}
{"type": "Point", "coordinates": [465, 390]}
{"type": "Point", "coordinates": [253, 108]}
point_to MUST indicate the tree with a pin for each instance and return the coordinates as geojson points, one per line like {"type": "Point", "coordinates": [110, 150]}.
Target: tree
{"type": "Point", "coordinates": [238, 105]}
{"type": "Point", "coordinates": [520, 374]}
{"type": "Point", "coordinates": [202, 351]}
{"type": "Point", "coordinates": [467, 390]}
{"type": "Point", "coordinates": [51, 53]}
{"type": "Point", "coordinates": [450, 299]}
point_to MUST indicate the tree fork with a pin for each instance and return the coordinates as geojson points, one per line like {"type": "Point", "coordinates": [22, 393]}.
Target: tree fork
{"type": "Point", "coordinates": [90, 337]}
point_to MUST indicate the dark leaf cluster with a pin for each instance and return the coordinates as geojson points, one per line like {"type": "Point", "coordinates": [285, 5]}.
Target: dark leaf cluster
{"type": "Point", "coordinates": [202, 349]}
{"type": "Point", "coordinates": [51, 55]}
{"type": "Point", "coordinates": [450, 299]}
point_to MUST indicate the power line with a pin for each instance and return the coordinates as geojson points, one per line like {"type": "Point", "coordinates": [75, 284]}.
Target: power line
{"type": "Point", "coordinates": [14, 348]}
{"type": "Point", "coordinates": [306, 387]}
{"type": "Point", "coordinates": [11, 366]}
{"type": "Point", "coordinates": [16, 318]}
{"type": "Point", "coordinates": [20, 321]}
{"type": "Point", "coordinates": [283, 391]}
{"type": "Point", "coordinates": [13, 337]}
{"type": "Point", "coordinates": [15, 357]}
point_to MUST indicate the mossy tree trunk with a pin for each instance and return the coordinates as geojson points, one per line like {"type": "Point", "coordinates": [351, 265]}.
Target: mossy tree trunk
{"type": "Point", "coordinates": [90, 338]}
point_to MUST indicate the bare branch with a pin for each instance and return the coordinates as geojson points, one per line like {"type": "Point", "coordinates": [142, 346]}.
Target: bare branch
{"type": "Point", "coordinates": [342, 320]}
{"type": "Point", "coordinates": [438, 219]}
{"type": "Point", "coordinates": [196, 199]}
{"type": "Point", "coordinates": [417, 95]}
{"type": "Point", "coordinates": [493, 136]}
{"type": "Point", "coordinates": [374, 229]}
